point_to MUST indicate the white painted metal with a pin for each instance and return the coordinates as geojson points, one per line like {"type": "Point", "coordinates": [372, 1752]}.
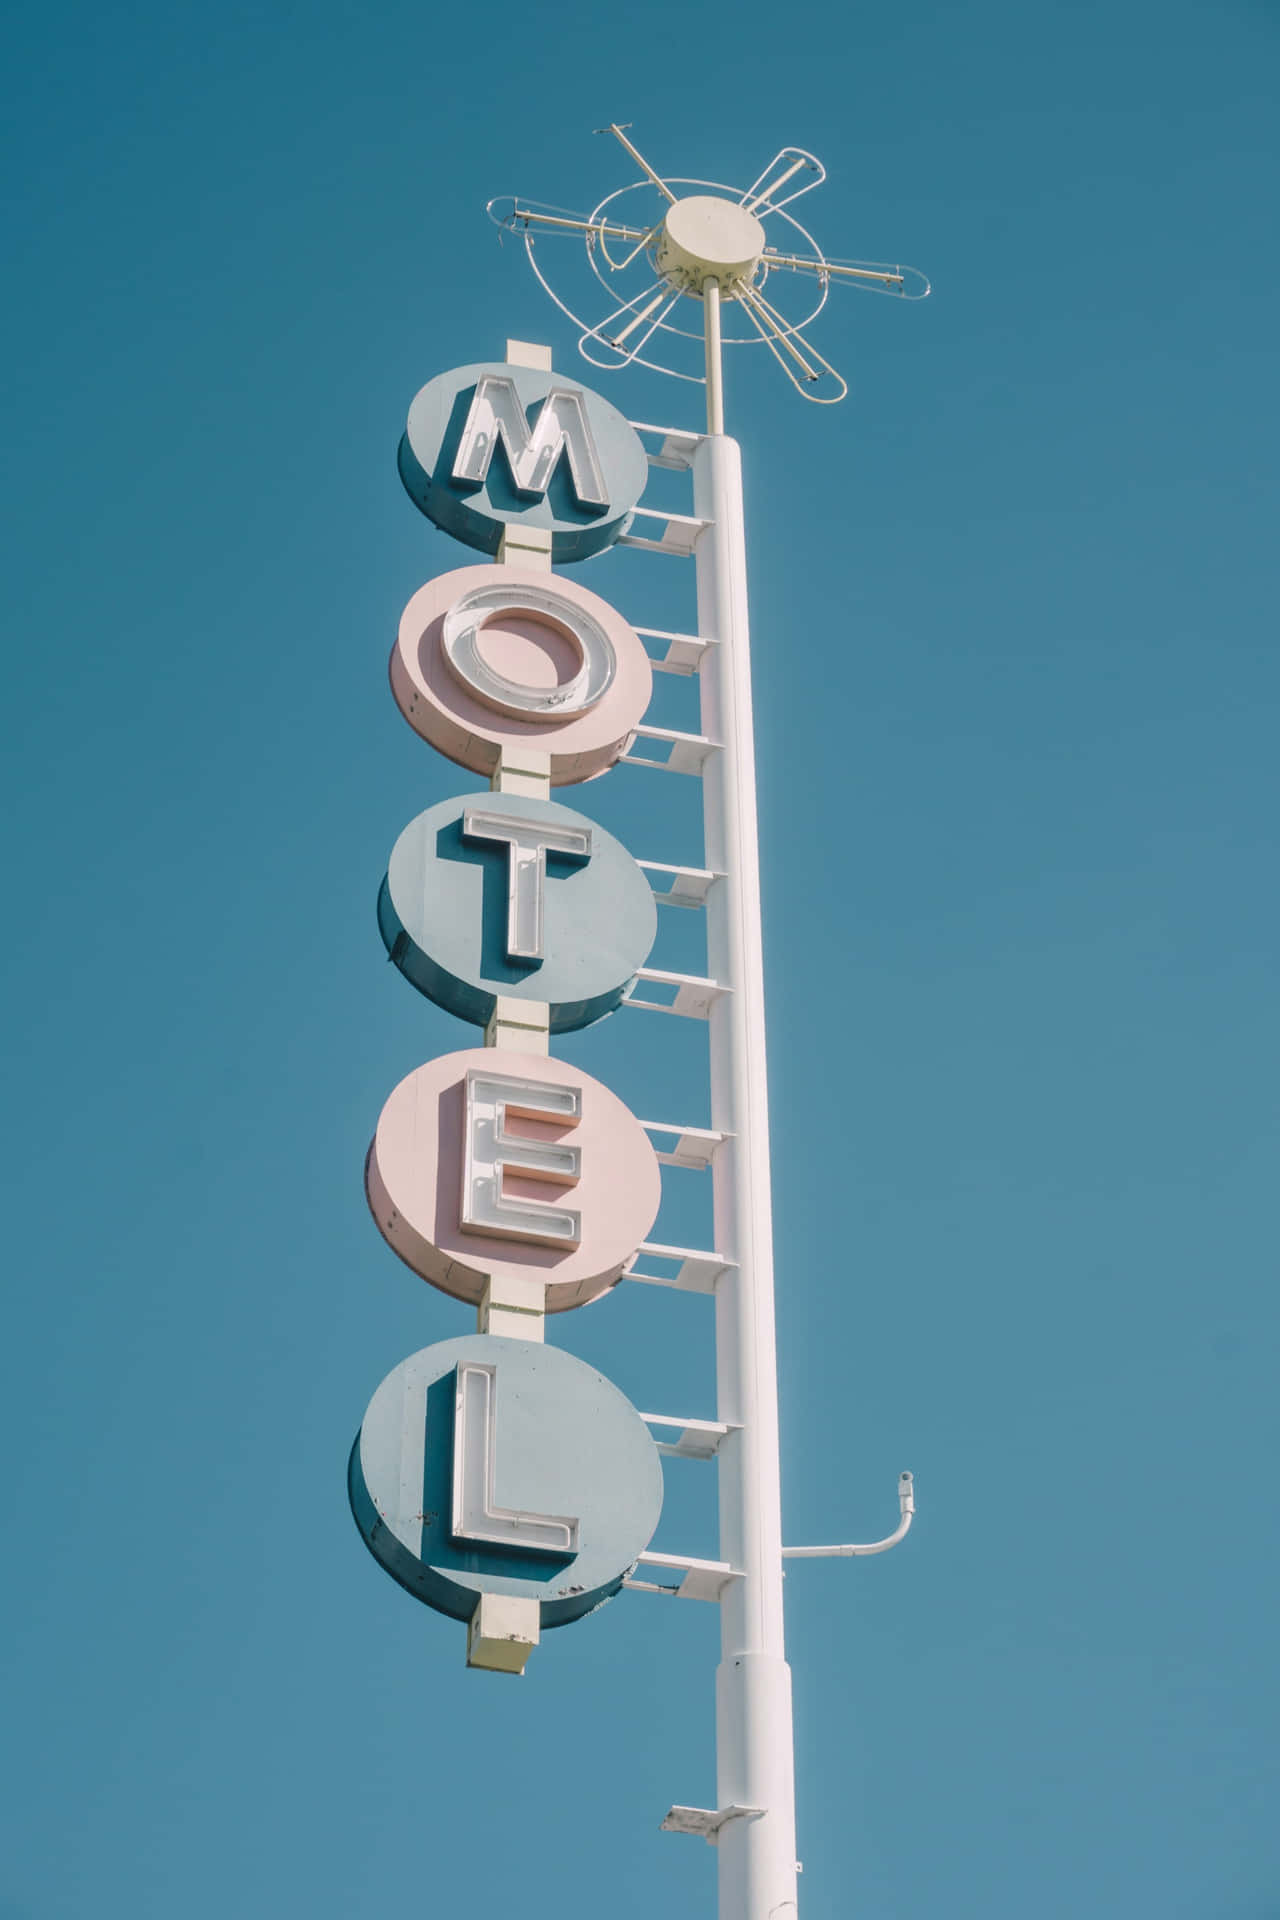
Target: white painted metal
{"type": "Point", "coordinates": [679, 532]}
{"type": "Point", "coordinates": [704, 237]}
{"type": "Point", "coordinates": [694, 996]}
{"type": "Point", "coordinates": [699, 1579]}
{"type": "Point", "coordinates": [705, 1823]}
{"type": "Point", "coordinates": [696, 1439]}
{"type": "Point", "coordinates": [704, 249]}
{"type": "Point", "coordinates": [525, 353]}
{"type": "Point", "coordinates": [715, 383]}
{"type": "Point", "coordinates": [691, 1147]}
{"type": "Point", "coordinates": [684, 650]}
{"type": "Point", "coordinates": [513, 1307]}
{"type": "Point", "coordinates": [716, 232]}
{"type": "Point", "coordinates": [676, 449]}
{"type": "Point", "coordinates": [695, 1271]}
{"type": "Point", "coordinates": [524, 1025]}
{"type": "Point", "coordinates": [620, 135]}
{"type": "Point", "coordinates": [521, 546]}
{"type": "Point", "coordinates": [754, 1742]}
{"type": "Point", "coordinates": [906, 1513]}
{"type": "Point", "coordinates": [502, 1633]}
{"type": "Point", "coordinates": [686, 887]}
{"type": "Point", "coordinates": [686, 752]}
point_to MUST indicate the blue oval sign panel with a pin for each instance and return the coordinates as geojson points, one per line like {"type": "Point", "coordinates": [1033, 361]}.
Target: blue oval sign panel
{"type": "Point", "coordinates": [494, 1466]}
{"type": "Point", "coordinates": [499, 893]}
{"type": "Point", "coordinates": [493, 445]}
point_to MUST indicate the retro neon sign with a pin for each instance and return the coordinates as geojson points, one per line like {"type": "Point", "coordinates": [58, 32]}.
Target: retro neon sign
{"type": "Point", "coordinates": [496, 1478]}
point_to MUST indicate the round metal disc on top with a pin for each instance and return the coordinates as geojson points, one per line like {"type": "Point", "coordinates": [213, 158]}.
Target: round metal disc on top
{"type": "Point", "coordinates": [705, 238]}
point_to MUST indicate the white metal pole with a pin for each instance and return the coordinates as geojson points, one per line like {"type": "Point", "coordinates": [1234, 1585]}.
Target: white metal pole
{"type": "Point", "coordinates": [754, 1757]}
{"type": "Point", "coordinates": [715, 357]}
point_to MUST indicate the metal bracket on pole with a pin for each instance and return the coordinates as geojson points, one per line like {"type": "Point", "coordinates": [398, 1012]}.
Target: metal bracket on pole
{"type": "Point", "coordinates": [906, 1510]}
{"type": "Point", "coordinates": [692, 1147]}
{"type": "Point", "coordinates": [679, 533]}
{"type": "Point", "coordinates": [684, 651]}
{"type": "Point", "coordinates": [699, 1579]}
{"type": "Point", "coordinates": [699, 1439]}
{"type": "Point", "coordinates": [687, 886]}
{"type": "Point", "coordinates": [676, 447]}
{"type": "Point", "coordinates": [695, 1271]}
{"type": "Point", "coordinates": [685, 752]}
{"type": "Point", "coordinates": [703, 1822]}
{"type": "Point", "coordinates": [693, 996]}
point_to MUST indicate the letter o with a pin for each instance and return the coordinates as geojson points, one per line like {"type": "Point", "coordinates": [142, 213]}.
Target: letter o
{"type": "Point", "coordinates": [460, 639]}
{"type": "Point", "coordinates": [490, 660]}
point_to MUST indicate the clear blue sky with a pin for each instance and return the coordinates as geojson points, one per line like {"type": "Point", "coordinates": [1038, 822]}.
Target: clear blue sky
{"type": "Point", "coordinates": [1019, 790]}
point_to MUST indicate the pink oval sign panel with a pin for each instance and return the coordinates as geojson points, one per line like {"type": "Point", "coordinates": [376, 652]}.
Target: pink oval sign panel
{"type": "Point", "coordinates": [492, 1162]}
{"type": "Point", "coordinates": [491, 656]}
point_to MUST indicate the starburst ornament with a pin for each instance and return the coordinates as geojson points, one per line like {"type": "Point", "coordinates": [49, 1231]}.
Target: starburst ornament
{"type": "Point", "coordinates": [655, 243]}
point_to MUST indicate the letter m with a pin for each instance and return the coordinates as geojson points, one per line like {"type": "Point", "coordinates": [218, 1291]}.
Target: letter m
{"type": "Point", "coordinates": [496, 414]}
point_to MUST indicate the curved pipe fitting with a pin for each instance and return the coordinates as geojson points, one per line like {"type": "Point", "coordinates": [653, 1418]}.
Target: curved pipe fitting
{"type": "Point", "coordinates": [906, 1512]}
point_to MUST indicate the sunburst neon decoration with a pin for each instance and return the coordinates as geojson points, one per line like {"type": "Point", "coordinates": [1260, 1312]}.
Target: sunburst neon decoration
{"type": "Point", "coordinates": [657, 242]}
